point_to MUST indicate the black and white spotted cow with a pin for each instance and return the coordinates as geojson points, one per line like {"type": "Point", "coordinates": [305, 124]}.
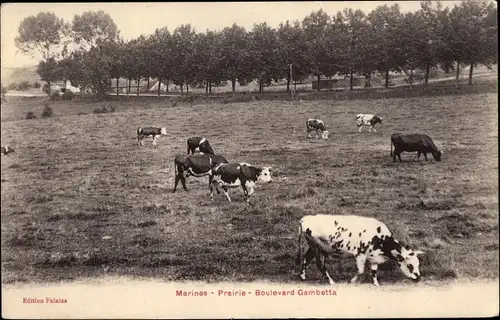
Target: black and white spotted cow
{"type": "Point", "coordinates": [421, 143]}
{"type": "Point", "coordinates": [149, 132]}
{"type": "Point", "coordinates": [6, 150]}
{"type": "Point", "coordinates": [238, 174]}
{"type": "Point", "coordinates": [318, 126]}
{"type": "Point", "coordinates": [368, 119]}
{"type": "Point", "coordinates": [365, 238]}
{"type": "Point", "coordinates": [199, 143]}
{"type": "Point", "coordinates": [198, 165]}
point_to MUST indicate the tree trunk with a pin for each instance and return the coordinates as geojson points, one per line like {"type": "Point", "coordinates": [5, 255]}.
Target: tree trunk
{"type": "Point", "coordinates": [319, 88]}
{"type": "Point", "coordinates": [49, 89]}
{"type": "Point", "coordinates": [159, 86]}
{"type": "Point", "coordinates": [387, 78]}
{"type": "Point", "coordinates": [470, 73]}
{"type": "Point", "coordinates": [117, 88]}
{"type": "Point", "coordinates": [427, 71]}
{"type": "Point", "coordinates": [288, 83]}
{"type": "Point", "coordinates": [129, 86]}
{"type": "Point", "coordinates": [210, 88]}
{"type": "Point", "coordinates": [295, 86]}
{"type": "Point", "coordinates": [368, 81]}
{"type": "Point", "coordinates": [329, 83]}
{"type": "Point", "coordinates": [148, 85]}
{"type": "Point", "coordinates": [411, 78]}
{"type": "Point", "coordinates": [233, 85]}
{"type": "Point", "coordinates": [206, 88]}
{"type": "Point", "coordinates": [351, 82]}
{"type": "Point", "coordinates": [187, 89]}
{"type": "Point", "coordinates": [138, 83]}
{"type": "Point", "coordinates": [458, 73]}
{"type": "Point", "coordinates": [182, 89]}
{"type": "Point", "coordinates": [168, 83]}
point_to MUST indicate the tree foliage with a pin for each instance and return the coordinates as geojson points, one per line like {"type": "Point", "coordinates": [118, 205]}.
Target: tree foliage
{"type": "Point", "coordinates": [350, 42]}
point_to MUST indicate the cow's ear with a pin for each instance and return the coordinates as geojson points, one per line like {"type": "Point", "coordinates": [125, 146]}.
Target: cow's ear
{"type": "Point", "coordinates": [419, 252]}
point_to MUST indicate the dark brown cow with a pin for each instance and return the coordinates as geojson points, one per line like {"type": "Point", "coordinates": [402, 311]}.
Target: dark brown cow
{"type": "Point", "coordinates": [414, 142]}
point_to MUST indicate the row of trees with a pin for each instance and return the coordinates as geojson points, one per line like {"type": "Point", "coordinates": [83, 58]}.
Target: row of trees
{"type": "Point", "coordinates": [90, 52]}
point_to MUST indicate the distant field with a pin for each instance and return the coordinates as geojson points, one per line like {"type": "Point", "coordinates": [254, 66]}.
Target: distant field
{"type": "Point", "coordinates": [75, 179]}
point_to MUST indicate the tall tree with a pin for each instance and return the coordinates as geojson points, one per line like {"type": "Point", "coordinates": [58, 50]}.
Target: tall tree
{"type": "Point", "coordinates": [315, 27]}
{"type": "Point", "coordinates": [208, 59]}
{"type": "Point", "coordinates": [162, 57]}
{"type": "Point", "coordinates": [386, 22]}
{"type": "Point", "coordinates": [235, 56]}
{"type": "Point", "coordinates": [43, 35]}
{"type": "Point", "coordinates": [476, 34]}
{"type": "Point", "coordinates": [49, 71]}
{"type": "Point", "coordinates": [93, 27]}
{"type": "Point", "coordinates": [351, 41]}
{"type": "Point", "coordinates": [292, 50]}
{"type": "Point", "coordinates": [183, 55]}
{"type": "Point", "coordinates": [264, 50]}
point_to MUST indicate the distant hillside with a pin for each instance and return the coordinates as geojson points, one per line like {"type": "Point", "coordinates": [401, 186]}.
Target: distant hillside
{"type": "Point", "coordinates": [17, 75]}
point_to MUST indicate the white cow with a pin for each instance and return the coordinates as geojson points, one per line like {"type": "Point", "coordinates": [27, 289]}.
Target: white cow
{"type": "Point", "coordinates": [363, 237]}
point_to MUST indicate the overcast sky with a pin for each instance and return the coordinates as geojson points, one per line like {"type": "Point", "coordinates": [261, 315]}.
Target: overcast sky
{"type": "Point", "coordinates": [134, 19]}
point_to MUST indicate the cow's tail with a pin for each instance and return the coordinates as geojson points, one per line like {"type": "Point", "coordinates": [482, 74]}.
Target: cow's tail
{"type": "Point", "coordinates": [139, 135]}
{"type": "Point", "coordinates": [299, 249]}
{"type": "Point", "coordinates": [391, 147]}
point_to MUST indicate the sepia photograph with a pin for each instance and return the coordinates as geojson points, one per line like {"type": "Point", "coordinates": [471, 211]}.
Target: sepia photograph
{"type": "Point", "coordinates": [289, 159]}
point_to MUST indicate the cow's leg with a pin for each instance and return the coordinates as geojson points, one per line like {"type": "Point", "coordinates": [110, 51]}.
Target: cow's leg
{"type": "Point", "coordinates": [212, 187]}
{"type": "Point", "coordinates": [225, 189]}
{"type": "Point", "coordinates": [360, 264]}
{"type": "Point", "coordinates": [322, 266]}
{"type": "Point", "coordinates": [425, 156]}
{"type": "Point", "coordinates": [399, 156]}
{"type": "Point", "coordinates": [394, 155]}
{"type": "Point", "coordinates": [374, 129]}
{"type": "Point", "coordinates": [154, 141]}
{"type": "Point", "coordinates": [418, 155]}
{"type": "Point", "coordinates": [141, 141]}
{"type": "Point", "coordinates": [177, 178]}
{"type": "Point", "coordinates": [188, 149]}
{"type": "Point", "coordinates": [317, 134]}
{"type": "Point", "coordinates": [307, 259]}
{"type": "Point", "coordinates": [249, 193]}
{"type": "Point", "coordinates": [374, 268]}
{"type": "Point", "coordinates": [370, 129]}
{"type": "Point", "coordinates": [361, 126]}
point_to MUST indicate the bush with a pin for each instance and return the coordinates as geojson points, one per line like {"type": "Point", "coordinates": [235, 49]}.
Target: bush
{"type": "Point", "coordinates": [30, 115]}
{"type": "Point", "coordinates": [103, 109]}
{"type": "Point", "coordinates": [47, 112]}
{"type": "Point", "coordinates": [12, 86]}
{"type": "Point", "coordinates": [36, 85]}
{"type": "Point", "coordinates": [23, 85]}
{"type": "Point", "coordinates": [68, 95]}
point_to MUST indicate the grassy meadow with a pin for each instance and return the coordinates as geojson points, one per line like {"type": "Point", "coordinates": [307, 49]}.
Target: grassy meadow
{"type": "Point", "coordinates": [80, 199]}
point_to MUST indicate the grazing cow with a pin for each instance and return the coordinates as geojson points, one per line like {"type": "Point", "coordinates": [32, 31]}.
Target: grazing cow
{"type": "Point", "coordinates": [198, 165]}
{"type": "Point", "coordinates": [199, 143]}
{"type": "Point", "coordinates": [238, 174]}
{"type": "Point", "coordinates": [368, 119]}
{"type": "Point", "coordinates": [365, 238]}
{"type": "Point", "coordinates": [7, 149]}
{"type": "Point", "coordinates": [316, 125]}
{"type": "Point", "coordinates": [149, 132]}
{"type": "Point", "coordinates": [411, 142]}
